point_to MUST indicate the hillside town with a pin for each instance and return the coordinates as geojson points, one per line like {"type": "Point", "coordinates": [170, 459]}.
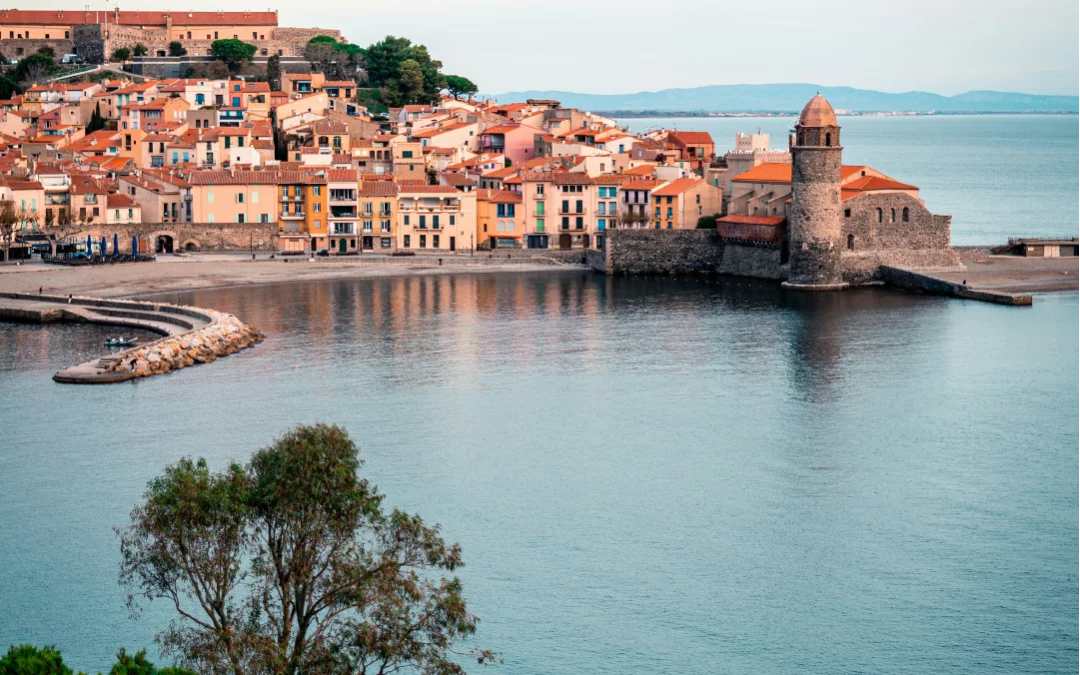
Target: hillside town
{"type": "Point", "coordinates": [299, 163]}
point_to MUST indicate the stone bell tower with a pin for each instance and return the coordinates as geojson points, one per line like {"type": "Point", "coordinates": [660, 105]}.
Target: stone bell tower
{"type": "Point", "coordinates": [814, 225]}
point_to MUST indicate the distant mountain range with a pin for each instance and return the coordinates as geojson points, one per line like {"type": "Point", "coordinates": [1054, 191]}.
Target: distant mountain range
{"type": "Point", "coordinates": [763, 98]}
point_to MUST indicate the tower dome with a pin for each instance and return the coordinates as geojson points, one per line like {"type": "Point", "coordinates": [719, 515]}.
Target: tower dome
{"type": "Point", "coordinates": [817, 113]}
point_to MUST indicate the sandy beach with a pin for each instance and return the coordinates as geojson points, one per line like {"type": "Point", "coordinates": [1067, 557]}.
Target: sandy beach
{"type": "Point", "coordinates": [211, 271]}
{"type": "Point", "coordinates": [1015, 274]}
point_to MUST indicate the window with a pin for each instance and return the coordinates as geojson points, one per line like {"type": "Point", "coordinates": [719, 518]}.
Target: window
{"type": "Point", "coordinates": [540, 189]}
{"type": "Point", "coordinates": [566, 206]}
{"type": "Point", "coordinates": [539, 208]}
{"type": "Point", "coordinates": [423, 223]}
{"type": "Point", "coordinates": [828, 140]}
{"type": "Point", "coordinates": [254, 197]}
{"type": "Point", "coordinates": [210, 218]}
{"type": "Point", "coordinates": [317, 190]}
{"type": "Point", "coordinates": [847, 213]}
{"type": "Point", "coordinates": [905, 214]}
{"type": "Point", "coordinates": [239, 197]}
{"type": "Point", "coordinates": [601, 224]}
{"type": "Point", "coordinates": [408, 243]}
{"type": "Point", "coordinates": [384, 226]}
{"type": "Point", "coordinates": [565, 223]}
{"type": "Point", "coordinates": [240, 218]}
{"type": "Point", "coordinates": [434, 222]}
{"type": "Point", "coordinates": [423, 241]}
{"type": "Point", "coordinates": [368, 225]}
{"type": "Point", "coordinates": [879, 216]}
{"type": "Point", "coordinates": [539, 224]}
{"type": "Point", "coordinates": [698, 197]}
{"type": "Point", "coordinates": [669, 212]}
{"type": "Point", "coordinates": [658, 209]}
{"type": "Point", "coordinates": [264, 217]}
{"type": "Point", "coordinates": [892, 216]}
{"type": "Point", "coordinates": [318, 207]}
{"type": "Point", "coordinates": [501, 226]}
{"type": "Point", "coordinates": [578, 206]}
{"type": "Point", "coordinates": [669, 200]}
{"type": "Point", "coordinates": [452, 219]}
{"type": "Point", "coordinates": [579, 223]}
{"type": "Point", "coordinates": [406, 154]}
{"type": "Point", "coordinates": [406, 219]}
{"type": "Point", "coordinates": [851, 242]}
{"type": "Point", "coordinates": [434, 241]}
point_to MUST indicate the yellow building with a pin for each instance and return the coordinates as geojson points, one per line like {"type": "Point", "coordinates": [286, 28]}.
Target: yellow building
{"type": "Point", "coordinates": [302, 223]}
{"type": "Point", "coordinates": [436, 218]}
{"type": "Point", "coordinates": [500, 219]}
{"type": "Point", "coordinates": [378, 215]}
{"type": "Point", "coordinates": [233, 196]}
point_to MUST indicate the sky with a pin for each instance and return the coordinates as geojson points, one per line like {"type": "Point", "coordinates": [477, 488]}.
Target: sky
{"type": "Point", "coordinates": [624, 46]}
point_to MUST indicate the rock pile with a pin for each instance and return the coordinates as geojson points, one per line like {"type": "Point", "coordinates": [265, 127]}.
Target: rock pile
{"type": "Point", "coordinates": [227, 335]}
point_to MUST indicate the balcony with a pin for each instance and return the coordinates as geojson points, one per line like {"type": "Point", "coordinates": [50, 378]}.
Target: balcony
{"type": "Point", "coordinates": [342, 196]}
{"type": "Point", "coordinates": [342, 212]}
{"type": "Point", "coordinates": [292, 216]}
{"type": "Point", "coordinates": [571, 211]}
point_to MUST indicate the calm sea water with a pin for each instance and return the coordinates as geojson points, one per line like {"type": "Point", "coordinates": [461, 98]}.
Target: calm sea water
{"type": "Point", "coordinates": [999, 176]}
{"type": "Point", "coordinates": [646, 475]}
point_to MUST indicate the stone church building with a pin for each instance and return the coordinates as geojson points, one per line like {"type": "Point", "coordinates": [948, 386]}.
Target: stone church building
{"type": "Point", "coordinates": [828, 224]}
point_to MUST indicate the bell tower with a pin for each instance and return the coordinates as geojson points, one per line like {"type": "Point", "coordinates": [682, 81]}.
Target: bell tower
{"type": "Point", "coordinates": [814, 226]}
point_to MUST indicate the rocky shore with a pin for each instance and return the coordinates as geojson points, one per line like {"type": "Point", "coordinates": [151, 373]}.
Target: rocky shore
{"type": "Point", "coordinates": [226, 335]}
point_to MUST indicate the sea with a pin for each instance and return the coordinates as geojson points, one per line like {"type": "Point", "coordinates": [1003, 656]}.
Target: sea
{"type": "Point", "coordinates": [646, 475]}
{"type": "Point", "coordinates": [998, 176]}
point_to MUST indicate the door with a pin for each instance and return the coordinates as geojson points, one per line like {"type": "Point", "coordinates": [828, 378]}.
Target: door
{"type": "Point", "coordinates": [453, 244]}
{"type": "Point", "coordinates": [564, 241]}
{"type": "Point", "coordinates": [343, 246]}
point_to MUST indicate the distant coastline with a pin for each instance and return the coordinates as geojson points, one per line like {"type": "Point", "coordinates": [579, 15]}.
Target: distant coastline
{"type": "Point", "coordinates": [639, 114]}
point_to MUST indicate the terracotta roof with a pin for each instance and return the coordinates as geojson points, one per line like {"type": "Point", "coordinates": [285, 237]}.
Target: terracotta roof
{"type": "Point", "coordinates": [505, 129]}
{"type": "Point", "coordinates": [817, 113]}
{"type": "Point", "coordinates": [608, 179]}
{"type": "Point", "coordinates": [752, 220]}
{"type": "Point", "coordinates": [677, 187]}
{"type": "Point", "coordinates": [428, 189]}
{"type": "Point", "coordinates": [378, 188]}
{"type": "Point", "coordinates": [566, 178]}
{"type": "Point", "coordinates": [498, 196]}
{"type": "Point", "coordinates": [504, 172]}
{"type": "Point", "coordinates": [341, 175]}
{"type": "Point", "coordinates": [428, 133]}
{"type": "Point", "coordinates": [234, 177]}
{"type": "Point", "coordinates": [53, 17]}
{"type": "Point", "coordinates": [457, 180]}
{"type": "Point", "coordinates": [769, 172]}
{"type": "Point", "coordinates": [870, 183]}
{"type": "Point", "coordinates": [118, 200]}
{"type": "Point", "coordinates": [691, 137]}
{"type": "Point", "coordinates": [639, 184]}
{"type": "Point", "coordinates": [326, 127]}
{"type": "Point", "coordinates": [641, 170]}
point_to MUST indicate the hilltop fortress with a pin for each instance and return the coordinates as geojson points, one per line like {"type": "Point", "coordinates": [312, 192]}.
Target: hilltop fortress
{"type": "Point", "coordinates": [94, 35]}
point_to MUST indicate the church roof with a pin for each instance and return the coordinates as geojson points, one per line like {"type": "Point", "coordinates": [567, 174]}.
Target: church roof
{"type": "Point", "coordinates": [817, 113]}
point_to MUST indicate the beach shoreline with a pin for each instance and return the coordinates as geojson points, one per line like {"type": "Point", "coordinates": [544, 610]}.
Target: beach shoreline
{"type": "Point", "coordinates": [212, 271]}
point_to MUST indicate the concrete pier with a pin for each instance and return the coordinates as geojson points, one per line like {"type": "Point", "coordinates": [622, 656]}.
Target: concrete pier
{"type": "Point", "coordinates": [191, 335]}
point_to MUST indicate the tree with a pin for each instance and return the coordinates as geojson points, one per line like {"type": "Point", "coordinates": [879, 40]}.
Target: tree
{"type": "Point", "coordinates": [47, 51]}
{"type": "Point", "coordinates": [8, 87]}
{"type": "Point", "coordinates": [140, 49]}
{"type": "Point", "coordinates": [176, 48]}
{"type": "Point", "coordinates": [233, 52]}
{"type": "Point", "coordinates": [31, 660]}
{"type": "Point", "coordinates": [411, 81]}
{"type": "Point", "coordinates": [9, 218]}
{"type": "Point", "coordinates": [33, 69]}
{"type": "Point", "coordinates": [291, 564]}
{"type": "Point", "coordinates": [273, 72]}
{"type": "Point", "coordinates": [97, 122]}
{"type": "Point", "coordinates": [121, 54]}
{"type": "Point", "coordinates": [336, 60]}
{"type": "Point", "coordinates": [64, 225]}
{"type": "Point", "coordinates": [384, 59]}
{"type": "Point", "coordinates": [458, 86]}
{"type": "Point", "coordinates": [707, 222]}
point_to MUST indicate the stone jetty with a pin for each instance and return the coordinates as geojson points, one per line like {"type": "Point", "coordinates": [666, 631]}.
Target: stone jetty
{"type": "Point", "coordinates": [192, 335]}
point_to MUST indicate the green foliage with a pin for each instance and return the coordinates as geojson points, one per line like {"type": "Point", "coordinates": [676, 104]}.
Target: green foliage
{"type": "Point", "coordinates": [273, 72]}
{"type": "Point", "coordinates": [97, 122]}
{"type": "Point", "coordinates": [459, 86]}
{"type": "Point", "coordinates": [385, 63]}
{"type": "Point", "coordinates": [31, 660]}
{"type": "Point", "coordinates": [140, 49]}
{"type": "Point", "coordinates": [176, 48]}
{"type": "Point", "coordinates": [34, 68]}
{"type": "Point", "coordinates": [189, 72]}
{"type": "Point", "coordinates": [121, 54]}
{"type": "Point", "coordinates": [336, 60]}
{"type": "Point", "coordinates": [8, 87]}
{"type": "Point", "coordinates": [291, 564]}
{"type": "Point", "coordinates": [233, 52]}
{"type": "Point", "coordinates": [707, 222]}
{"type": "Point", "coordinates": [47, 51]}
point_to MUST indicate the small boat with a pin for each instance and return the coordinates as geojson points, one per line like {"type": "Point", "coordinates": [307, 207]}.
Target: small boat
{"type": "Point", "coordinates": [120, 341]}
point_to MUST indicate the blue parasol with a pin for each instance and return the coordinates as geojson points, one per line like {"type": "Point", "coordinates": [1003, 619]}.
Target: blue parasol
{"type": "Point", "coordinates": [115, 244]}
{"type": "Point", "coordinates": [134, 246]}
{"type": "Point", "coordinates": [104, 243]}
{"type": "Point", "coordinates": [89, 245]}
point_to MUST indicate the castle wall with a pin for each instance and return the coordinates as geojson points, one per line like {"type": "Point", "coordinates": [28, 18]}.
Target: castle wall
{"type": "Point", "coordinates": [752, 260]}
{"type": "Point", "coordinates": [661, 252]}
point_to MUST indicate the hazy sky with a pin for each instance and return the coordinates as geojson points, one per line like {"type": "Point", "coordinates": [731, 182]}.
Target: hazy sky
{"type": "Point", "coordinates": [609, 46]}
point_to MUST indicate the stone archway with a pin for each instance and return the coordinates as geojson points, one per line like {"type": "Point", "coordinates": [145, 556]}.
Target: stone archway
{"type": "Point", "coordinates": [164, 241]}
{"type": "Point", "coordinates": [192, 246]}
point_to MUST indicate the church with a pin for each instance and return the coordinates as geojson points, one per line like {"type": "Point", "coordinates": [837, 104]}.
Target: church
{"type": "Point", "coordinates": [836, 224]}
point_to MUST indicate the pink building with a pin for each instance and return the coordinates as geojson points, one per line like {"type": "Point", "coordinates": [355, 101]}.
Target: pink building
{"type": "Point", "coordinates": [513, 140]}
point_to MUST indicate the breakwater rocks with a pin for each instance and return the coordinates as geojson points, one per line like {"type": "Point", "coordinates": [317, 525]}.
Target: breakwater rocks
{"type": "Point", "coordinates": [226, 335]}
